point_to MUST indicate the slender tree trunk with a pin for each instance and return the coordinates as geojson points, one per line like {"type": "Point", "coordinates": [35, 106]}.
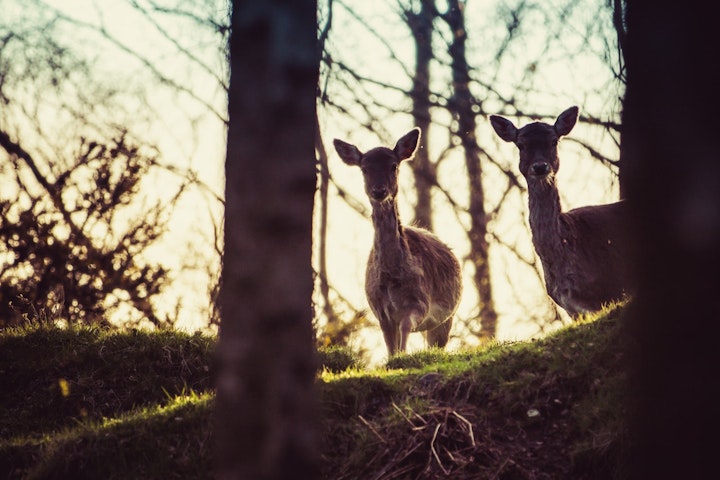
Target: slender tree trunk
{"type": "Point", "coordinates": [670, 126]}
{"type": "Point", "coordinates": [462, 107]}
{"type": "Point", "coordinates": [324, 173]}
{"type": "Point", "coordinates": [327, 309]}
{"type": "Point", "coordinates": [265, 419]}
{"type": "Point", "coordinates": [619, 23]}
{"type": "Point", "coordinates": [421, 27]}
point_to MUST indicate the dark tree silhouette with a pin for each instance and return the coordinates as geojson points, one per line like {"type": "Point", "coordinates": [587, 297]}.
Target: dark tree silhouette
{"type": "Point", "coordinates": [670, 127]}
{"type": "Point", "coordinates": [264, 419]}
{"type": "Point", "coordinates": [422, 28]}
{"type": "Point", "coordinates": [462, 104]}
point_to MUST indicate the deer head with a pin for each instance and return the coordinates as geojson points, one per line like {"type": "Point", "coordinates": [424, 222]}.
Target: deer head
{"type": "Point", "coordinates": [380, 165]}
{"type": "Point", "coordinates": [537, 143]}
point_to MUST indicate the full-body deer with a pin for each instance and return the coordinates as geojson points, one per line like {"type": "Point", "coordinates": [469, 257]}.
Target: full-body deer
{"type": "Point", "coordinates": [583, 251]}
{"type": "Point", "coordinates": [413, 281]}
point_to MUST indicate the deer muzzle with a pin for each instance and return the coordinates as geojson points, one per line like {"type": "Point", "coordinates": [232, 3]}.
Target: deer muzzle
{"type": "Point", "coordinates": [379, 193]}
{"type": "Point", "coordinates": [540, 169]}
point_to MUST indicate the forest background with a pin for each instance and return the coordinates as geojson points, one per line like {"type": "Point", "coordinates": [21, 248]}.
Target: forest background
{"type": "Point", "coordinates": [112, 144]}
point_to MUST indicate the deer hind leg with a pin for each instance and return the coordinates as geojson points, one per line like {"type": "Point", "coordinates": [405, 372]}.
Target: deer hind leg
{"type": "Point", "coordinates": [438, 336]}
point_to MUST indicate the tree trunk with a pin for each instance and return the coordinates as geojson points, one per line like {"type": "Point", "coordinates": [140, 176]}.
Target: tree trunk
{"type": "Point", "coordinates": [461, 106]}
{"type": "Point", "coordinates": [620, 25]}
{"type": "Point", "coordinates": [327, 308]}
{"type": "Point", "coordinates": [421, 27]}
{"type": "Point", "coordinates": [670, 127]}
{"type": "Point", "coordinates": [265, 419]}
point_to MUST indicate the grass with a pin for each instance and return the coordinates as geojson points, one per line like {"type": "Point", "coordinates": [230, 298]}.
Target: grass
{"type": "Point", "coordinates": [84, 403]}
{"type": "Point", "coordinates": [547, 409]}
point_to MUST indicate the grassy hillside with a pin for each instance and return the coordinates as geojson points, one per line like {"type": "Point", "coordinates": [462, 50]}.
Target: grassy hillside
{"type": "Point", "coordinates": [89, 404]}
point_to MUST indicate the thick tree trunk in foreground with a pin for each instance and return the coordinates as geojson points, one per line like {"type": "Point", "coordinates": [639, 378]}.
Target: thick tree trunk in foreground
{"type": "Point", "coordinates": [265, 423]}
{"type": "Point", "coordinates": [670, 126]}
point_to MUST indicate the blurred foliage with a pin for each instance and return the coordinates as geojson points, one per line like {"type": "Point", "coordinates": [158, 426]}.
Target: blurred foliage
{"type": "Point", "coordinates": [338, 329]}
{"type": "Point", "coordinates": [339, 358]}
{"type": "Point", "coordinates": [73, 249]}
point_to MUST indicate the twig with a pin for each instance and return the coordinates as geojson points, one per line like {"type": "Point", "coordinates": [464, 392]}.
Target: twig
{"type": "Point", "coordinates": [497, 473]}
{"type": "Point", "coordinates": [419, 417]}
{"type": "Point", "coordinates": [407, 419]}
{"type": "Point", "coordinates": [434, 452]}
{"type": "Point", "coordinates": [470, 427]}
{"type": "Point", "coordinates": [372, 429]}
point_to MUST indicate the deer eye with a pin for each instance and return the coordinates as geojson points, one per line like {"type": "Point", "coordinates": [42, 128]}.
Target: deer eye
{"type": "Point", "coordinates": [520, 146]}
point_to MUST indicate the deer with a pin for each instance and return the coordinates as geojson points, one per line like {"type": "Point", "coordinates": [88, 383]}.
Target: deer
{"type": "Point", "coordinates": [413, 281]}
{"type": "Point", "coordinates": [583, 251]}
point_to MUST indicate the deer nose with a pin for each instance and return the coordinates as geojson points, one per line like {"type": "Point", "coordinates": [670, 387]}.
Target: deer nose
{"type": "Point", "coordinates": [540, 168]}
{"type": "Point", "coordinates": [379, 193]}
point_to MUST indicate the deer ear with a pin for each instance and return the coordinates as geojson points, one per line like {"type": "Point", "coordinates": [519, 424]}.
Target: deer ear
{"type": "Point", "coordinates": [566, 121]}
{"type": "Point", "coordinates": [504, 128]}
{"type": "Point", "coordinates": [406, 146]}
{"type": "Point", "coordinates": [348, 153]}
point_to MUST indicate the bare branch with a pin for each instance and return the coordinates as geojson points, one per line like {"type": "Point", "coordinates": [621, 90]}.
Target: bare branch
{"type": "Point", "coordinates": [222, 82]}
{"type": "Point", "coordinates": [162, 78]}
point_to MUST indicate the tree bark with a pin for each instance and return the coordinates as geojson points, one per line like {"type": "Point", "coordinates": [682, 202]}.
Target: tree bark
{"type": "Point", "coordinates": [461, 106]}
{"type": "Point", "coordinates": [620, 25]}
{"type": "Point", "coordinates": [324, 174]}
{"type": "Point", "coordinates": [421, 27]}
{"type": "Point", "coordinates": [265, 419]}
{"type": "Point", "coordinates": [670, 127]}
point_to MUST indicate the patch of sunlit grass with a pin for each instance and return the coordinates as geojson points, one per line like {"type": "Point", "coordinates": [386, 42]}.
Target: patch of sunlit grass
{"type": "Point", "coordinates": [93, 404]}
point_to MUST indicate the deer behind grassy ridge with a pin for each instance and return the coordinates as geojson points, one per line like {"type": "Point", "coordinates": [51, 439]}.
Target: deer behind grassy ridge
{"type": "Point", "coordinates": [583, 251]}
{"type": "Point", "coordinates": [413, 281]}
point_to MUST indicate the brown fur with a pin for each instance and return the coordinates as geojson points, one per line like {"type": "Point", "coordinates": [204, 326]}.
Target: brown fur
{"type": "Point", "coordinates": [413, 281]}
{"type": "Point", "coordinates": [583, 251]}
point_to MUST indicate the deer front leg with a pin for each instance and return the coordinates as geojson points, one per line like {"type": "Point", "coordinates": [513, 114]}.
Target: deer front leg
{"type": "Point", "coordinates": [390, 330]}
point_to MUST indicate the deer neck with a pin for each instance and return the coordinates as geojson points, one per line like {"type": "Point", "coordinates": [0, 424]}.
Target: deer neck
{"type": "Point", "coordinates": [389, 243]}
{"type": "Point", "coordinates": [544, 206]}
